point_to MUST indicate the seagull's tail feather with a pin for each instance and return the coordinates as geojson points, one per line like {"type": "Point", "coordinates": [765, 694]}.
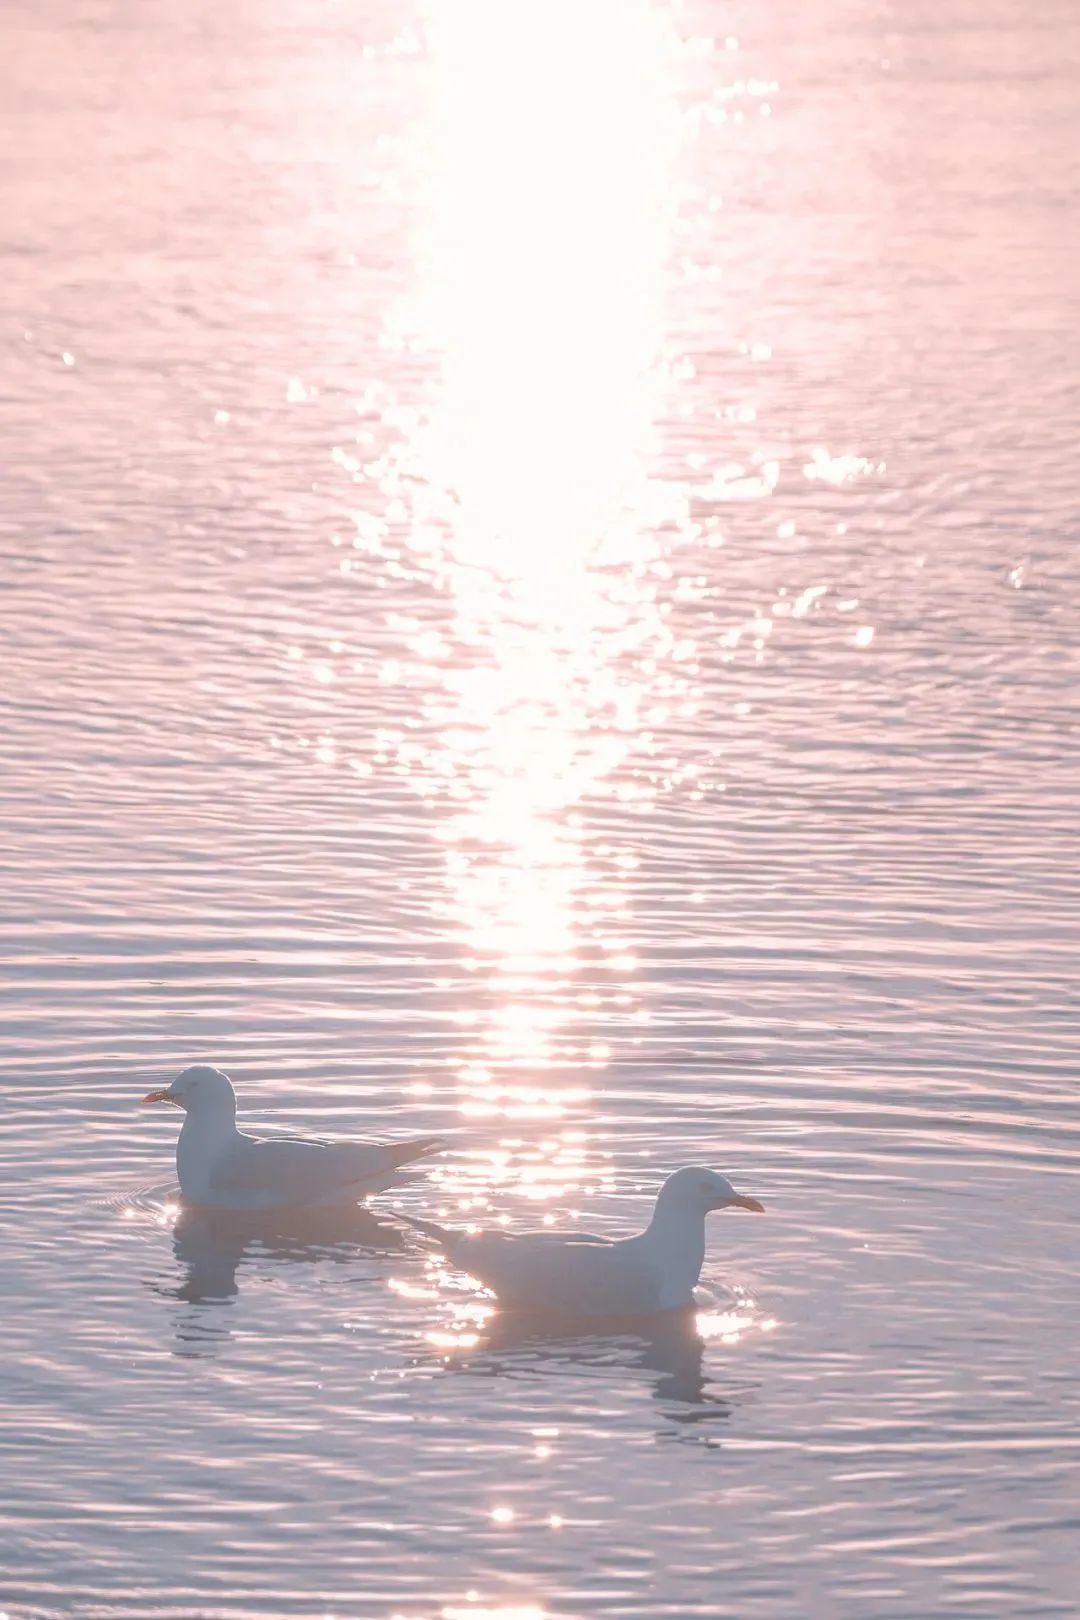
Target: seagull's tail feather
{"type": "Point", "coordinates": [419, 1147]}
{"type": "Point", "coordinates": [442, 1234]}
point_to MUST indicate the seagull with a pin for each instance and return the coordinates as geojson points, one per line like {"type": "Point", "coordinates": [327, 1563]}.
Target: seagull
{"type": "Point", "coordinates": [222, 1168]}
{"type": "Point", "coordinates": [569, 1274]}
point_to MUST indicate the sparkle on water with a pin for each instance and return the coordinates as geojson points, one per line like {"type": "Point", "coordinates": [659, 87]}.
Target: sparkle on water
{"type": "Point", "coordinates": [539, 606]}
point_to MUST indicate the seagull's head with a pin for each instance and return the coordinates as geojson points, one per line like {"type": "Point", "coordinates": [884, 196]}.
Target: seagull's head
{"type": "Point", "coordinates": [201, 1090]}
{"type": "Point", "coordinates": [697, 1191]}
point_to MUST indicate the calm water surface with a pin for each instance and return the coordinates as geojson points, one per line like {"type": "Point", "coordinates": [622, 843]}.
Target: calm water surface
{"type": "Point", "coordinates": [539, 602]}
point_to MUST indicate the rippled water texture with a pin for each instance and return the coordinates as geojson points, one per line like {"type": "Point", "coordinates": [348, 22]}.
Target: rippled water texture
{"type": "Point", "coordinates": [539, 603]}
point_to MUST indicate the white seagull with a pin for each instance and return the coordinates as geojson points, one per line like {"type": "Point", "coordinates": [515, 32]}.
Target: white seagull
{"type": "Point", "coordinates": [222, 1168]}
{"type": "Point", "coordinates": [573, 1275]}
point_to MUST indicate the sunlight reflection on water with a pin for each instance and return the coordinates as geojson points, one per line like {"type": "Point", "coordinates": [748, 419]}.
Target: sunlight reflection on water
{"type": "Point", "coordinates": [543, 277]}
{"type": "Point", "coordinates": [530, 472]}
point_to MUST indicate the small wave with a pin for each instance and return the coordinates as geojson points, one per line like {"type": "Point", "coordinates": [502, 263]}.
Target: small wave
{"type": "Point", "coordinates": [160, 1203]}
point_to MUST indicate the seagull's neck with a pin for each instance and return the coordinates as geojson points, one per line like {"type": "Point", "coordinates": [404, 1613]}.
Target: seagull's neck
{"type": "Point", "coordinates": [211, 1123]}
{"type": "Point", "coordinates": [675, 1223]}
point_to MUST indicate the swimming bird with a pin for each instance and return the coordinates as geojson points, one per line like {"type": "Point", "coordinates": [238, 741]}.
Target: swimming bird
{"type": "Point", "coordinates": [573, 1275]}
{"type": "Point", "coordinates": [223, 1168]}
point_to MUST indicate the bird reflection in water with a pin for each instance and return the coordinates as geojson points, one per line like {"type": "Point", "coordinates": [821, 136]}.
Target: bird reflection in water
{"type": "Point", "coordinates": [212, 1246]}
{"type": "Point", "coordinates": [668, 1347]}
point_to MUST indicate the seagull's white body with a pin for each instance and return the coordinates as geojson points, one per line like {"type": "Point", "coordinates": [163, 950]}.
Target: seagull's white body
{"type": "Point", "coordinates": [573, 1275]}
{"type": "Point", "coordinates": [223, 1168]}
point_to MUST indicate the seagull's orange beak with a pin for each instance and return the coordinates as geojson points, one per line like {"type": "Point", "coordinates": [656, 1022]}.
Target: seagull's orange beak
{"type": "Point", "coordinates": [742, 1202]}
{"type": "Point", "coordinates": [158, 1096]}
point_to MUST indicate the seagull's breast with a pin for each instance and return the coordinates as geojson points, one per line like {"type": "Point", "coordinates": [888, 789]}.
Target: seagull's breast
{"type": "Point", "coordinates": [202, 1145]}
{"type": "Point", "coordinates": [674, 1258]}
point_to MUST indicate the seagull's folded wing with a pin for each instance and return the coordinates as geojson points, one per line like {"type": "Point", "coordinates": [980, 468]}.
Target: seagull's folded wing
{"type": "Point", "coordinates": [290, 1172]}
{"type": "Point", "coordinates": [576, 1274]}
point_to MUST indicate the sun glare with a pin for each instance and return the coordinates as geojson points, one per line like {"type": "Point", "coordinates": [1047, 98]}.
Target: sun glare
{"type": "Point", "coordinates": [550, 156]}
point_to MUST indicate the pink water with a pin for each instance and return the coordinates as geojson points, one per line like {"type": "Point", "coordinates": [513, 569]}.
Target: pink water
{"type": "Point", "coordinates": [539, 602]}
